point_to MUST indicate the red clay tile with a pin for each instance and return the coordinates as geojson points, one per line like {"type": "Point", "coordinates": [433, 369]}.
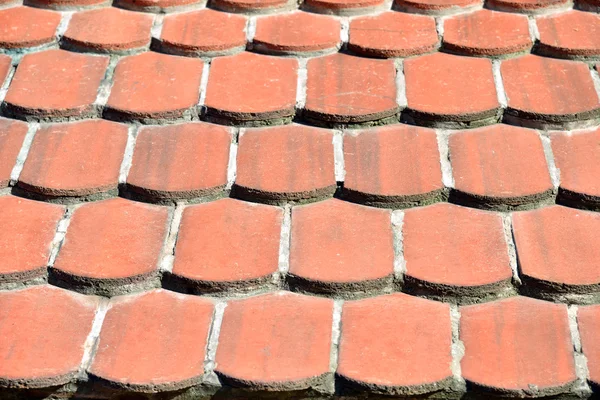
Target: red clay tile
{"type": "Point", "coordinates": [277, 341]}
{"type": "Point", "coordinates": [153, 342]}
{"type": "Point", "coordinates": [290, 162]}
{"type": "Point", "coordinates": [577, 157]}
{"type": "Point", "coordinates": [393, 34]}
{"type": "Point", "coordinates": [75, 159]}
{"type": "Point", "coordinates": [296, 32]}
{"type": "Point", "coordinates": [155, 86]}
{"type": "Point", "coordinates": [55, 83]}
{"type": "Point", "coordinates": [526, 6]}
{"type": "Point", "coordinates": [203, 32]}
{"type": "Point", "coordinates": [250, 5]}
{"type": "Point", "coordinates": [588, 319]}
{"type": "Point", "coordinates": [228, 244]}
{"type": "Point", "coordinates": [347, 89]}
{"type": "Point", "coordinates": [341, 246]}
{"type": "Point", "coordinates": [487, 33]}
{"type": "Point", "coordinates": [455, 250]}
{"type": "Point", "coordinates": [407, 356]}
{"type": "Point", "coordinates": [392, 166]}
{"type": "Point", "coordinates": [247, 88]}
{"type": "Point", "coordinates": [559, 39]}
{"type": "Point", "coordinates": [108, 30]}
{"type": "Point", "coordinates": [110, 244]}
{"type": "Point", "coordinates": [343, 7]}
{"type": "Point", "coordinates": [27, 27]}
{"type": "Point", "coordinates": [43, 332]}
{"type": "Point", "coordinates": [158, 5]}
{"type": "Point", "coordinates": [517, 345]}
{"type": "Point", "coordinates": [180, 161]}
{"type": "Point", "coordinates": [549, 90]}
{"type": "Point", "coordinates": [27, 231]}
{"type": "Point", "coordinates": [558, 250]}
{"type": "Point", "coordinates": [5, 64]}
{"type": "Point", "coordinates": [499, 166]}
{"type": "Point", "coordinates": [66, 4]}
{"type": "Point", "coordinates": [446, 89]}
{"type": "Point", "coordinates": [12, 134]}
{"type": "Point", "coordinates": [436, 7]}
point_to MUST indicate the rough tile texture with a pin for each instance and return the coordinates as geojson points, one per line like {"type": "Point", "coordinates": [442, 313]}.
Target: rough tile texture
{"type": "Point", "coordinates": [26, 239]}
{"type": "Point", "coordinates": [251, 89]}
{"type": "Point", "coordinates": [55, 84]}
{"type": "Point", "coordinates": [348, 89]}
{"type": "Point", "coordinates": [415, 362]}
{"type": "Point", "coordinates": [393, 34]}
{"type": "Point", "coordinates": [179, 161]}
{"type": "Point", "coordinates": [74, 159]}
{"type": "Point", "coordinates": [455, 251]}
{"type": "Point", "coordinates": [22, 27]}
{"type": "Point", "coordinates": [332, 199]}
{"type": "Point", "coordinates": [292, 162]}
{"type": "Point", "coordinates": [392, 166]}
{"type": "Point", "coordinates": [108, 30]}
{"type": "Point", "coordinates": [338, 246]}
{"type": "Point", "coordinates": [153, 341]}
{"type": "Point", "coordinates": [443, 88]}
{"type": "Point", "coordinates": [155, 86]}
{"type": "Point", "coordinates": [227, 244]}
{"type": "Point", "coordinates": [294, 329]}
{"type": "Point", "coordinates": [44, 330]}
{"type": "Point", "coordinates": [518, 346]}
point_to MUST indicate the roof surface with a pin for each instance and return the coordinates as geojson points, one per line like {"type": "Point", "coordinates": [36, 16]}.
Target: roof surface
{"type": "Point", "coordinates": [342, 198]}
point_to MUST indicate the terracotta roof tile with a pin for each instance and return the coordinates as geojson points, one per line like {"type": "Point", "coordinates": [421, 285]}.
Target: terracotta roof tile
{"type": "Point", "coordinates": [55, 84]}
{"type": "Point", "coordinates": [108, 30]}
{"type": "Point", "coordinates": [294, 330]}
{"type": "Point", "coordinates": [227, 245]}
{"type": "Point", "coordinates": [487, 33]}
{"type": "Point", "coordinates": [563, 91]}
{"type": "Point", "coordinates": [576, 157]}
{"type": "Point", "coordinates": [559, 39]}
{"type": "Point", "coordinates": [499, 166]}
{"type": "Point", "coordinates": [347, 89]}
{"type": "Point", "coordinates": [557, 251]}
{"type": "Point", "coordinates": [44, 330]}
{"type": "Point", "coordinates": [393, 34]}
{"type": "Point", "coordinates": [447, 90]}
{"type": "Point", "coordinates": [337, 247]}
{"type": "Point", "coordinates": [415, 362]}
{"type": "Point", "coordinates": [26, 239]}
{"type": "Point", "coordinates": [392, 166]}
{"type": "Point", "coordinates": [251, 89]}
{"type": "Point", "coordinates": [153, 86]}
{"type": "Point", "coordinates": [153, 341]}
{"type": "Point", "coordinates": [332, 198]}
{"type": "Point", "coordinates": [518, 346]}
{"type": "Point", "coordinates": [203, 32]}
{"type": "Point", "coordinates": [179, 161]}
{"type": "Point", "coordinates": [74, 159]}
{"type": "Point", "coordinates": [27, 27]}
{"type": "Point", "coordinates": [291, 162]}
{"type": "Point", "coordinates": [12, 134]}
{"type": "Point", "coordinates": [112, 245]}
{"type": "Point", "coordinates": [455, 251]}
{"type": "Point", "coordinates": [296, 33]}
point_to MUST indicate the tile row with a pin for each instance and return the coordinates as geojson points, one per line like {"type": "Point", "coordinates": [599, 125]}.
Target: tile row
{"type": "Point", "coordinates": [160, 341]}
{"type": "Point", "coordinates": [329, 7]}
{"type": "Point", "coordinates": [498, 167]}
{"type": "Point", "coordinates": [208, 33]}
{"type": "Point", "coordinates": [249, 89]}
{"type": "Point", "coordinates": [332, 248]}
